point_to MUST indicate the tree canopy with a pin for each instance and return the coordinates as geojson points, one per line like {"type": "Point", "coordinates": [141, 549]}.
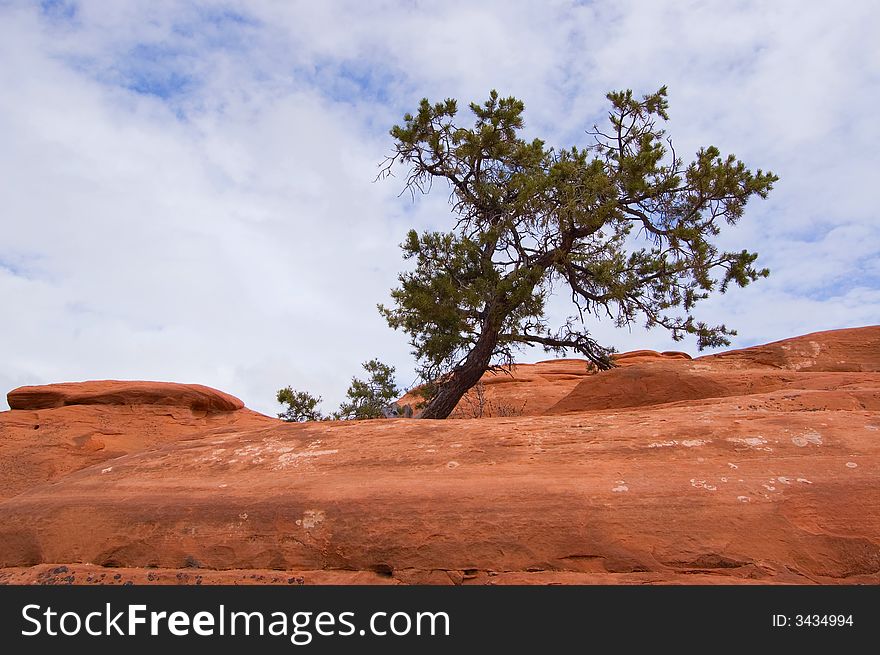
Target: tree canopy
{"type": "Point", "coordinates": [300, 405]}
{"type": "Point", "coordinates": [367, 398]}
{"type": "Point", "coordinates": [364, 398]}
{"type": "Point", "coordinates": [622, 225]}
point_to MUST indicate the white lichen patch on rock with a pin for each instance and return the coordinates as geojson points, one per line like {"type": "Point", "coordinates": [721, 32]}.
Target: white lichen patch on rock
{"type": "Point", "coordinates": [294, 459]}
{"type": "Point", "coordinates": [213, 457]}
{"type": "Point", "coordinates": [311, 518]}
{"type": "Point", "coordinates": [687, 443]}
{"type": "Point", "coordinates": [752, 443]}
{"type": "Point", "coordinates": [807, 438]}
{"type": "Point", "coordinates": [257, 453]}
{"type": "Point", "coordinates": [806, 355]}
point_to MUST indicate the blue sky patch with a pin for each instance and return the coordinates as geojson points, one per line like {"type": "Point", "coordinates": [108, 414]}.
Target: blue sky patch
{"type": "Point", "coordinates": [58, 9]}
{"type": "Point", "coordinates": [350, 81]}
{"type": "Point", "coordinates": [19, 265]}
{"type": "Point", "coordinates": [155, 70]}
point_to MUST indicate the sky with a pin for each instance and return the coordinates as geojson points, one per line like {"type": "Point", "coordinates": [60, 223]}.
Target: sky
{"type": "Point", "coordinates": [188, 194]}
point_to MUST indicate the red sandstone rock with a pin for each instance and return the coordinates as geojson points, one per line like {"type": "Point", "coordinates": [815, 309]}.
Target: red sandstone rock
{"type": "Point", "coordinates": [762, 494]}
{"type": "Point", "coordinates": [823, 361]}
{"type": "Point", "coordinates": [114, 392]}
{"type": "Point", "coordinates": [42, 445]}
{"type": "Point", "coordinates": [524, 390]}
{"type": "Point", "coordinates": [853, 349]}
{"type": "Point", "coordinates": [756, 465]}
{"type": "Point", "coordinates": [655, 384]}
{"type": "Point", "coordinates": [90, 574]}
{"type": "Point", "coordinates": [634, 356]}
{"type": "Point", "coordinates": [532, 389]}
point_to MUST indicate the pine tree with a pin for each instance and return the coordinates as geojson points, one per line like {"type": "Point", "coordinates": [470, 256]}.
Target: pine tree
{"type": "Point", "coordinates": [301, 405]}
{"type": "Point", "coordinates": [367, 398]}
{"type": "Point", "coordinates": [623, 225]}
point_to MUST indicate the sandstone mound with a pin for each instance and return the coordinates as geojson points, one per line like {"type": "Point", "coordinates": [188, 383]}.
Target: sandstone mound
{"type": "Point", "coordinates": [639, 356]}
{"type": "Point", "coordinates": [853, 349]}
{"type": "Point", "coordinates": [637, 386]}
{"type": "Point", "coordinates": [779, 495]}
{"type": "Point", "coordinates": [755, 465]}
{"type": "Point", "coordinates": [56, 429]}
{"type": "Point", "coordinates": [822, 361]}
{"type": "Point", "coordinates": [114, 392]}
{"type": "Point", "coordinates": [523, 390]}
{"type": "Point", "coordinates": [533, 389]}
{"type": "Point", "coordinates": [643, 385]}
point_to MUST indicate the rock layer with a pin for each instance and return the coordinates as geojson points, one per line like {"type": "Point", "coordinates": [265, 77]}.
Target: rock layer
{"type": "Point", "coordinates": [114, 392]}
{"type": "Point", "coordinates": [532, 389]}
{"type": "Point", "coordinates": [667, 469]}
{"type": "Point", "coordinates": [39, 446]}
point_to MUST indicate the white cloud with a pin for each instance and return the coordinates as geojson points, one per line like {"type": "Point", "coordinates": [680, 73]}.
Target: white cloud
{"type": "Point", "coordinates": [230, 233]}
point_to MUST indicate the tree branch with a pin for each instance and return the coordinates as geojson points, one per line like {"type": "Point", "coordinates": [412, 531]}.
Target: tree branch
{"type": "Point", "coordinates": [581, 343]}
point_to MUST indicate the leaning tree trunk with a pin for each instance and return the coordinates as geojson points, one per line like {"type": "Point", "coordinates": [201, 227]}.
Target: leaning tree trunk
{"type": "Point", "coordinates": [462, 377]}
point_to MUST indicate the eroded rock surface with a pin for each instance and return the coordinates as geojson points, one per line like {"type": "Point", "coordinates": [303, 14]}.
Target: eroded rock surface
{"type": "Point", "coordinates": [758, 465]}
{"type": "Point", "coordinates": [92, 422]}
{"type": "Point", "coordinates": [114, 392]}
